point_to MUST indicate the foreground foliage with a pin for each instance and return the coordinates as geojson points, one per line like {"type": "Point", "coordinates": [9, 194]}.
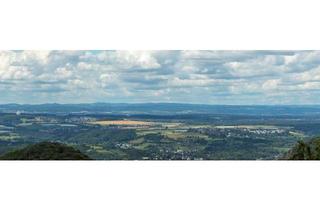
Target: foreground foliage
{"type": "Point", "coordinates": [305, 151]}
{"type": "Point", "coordinates": [46, 151]}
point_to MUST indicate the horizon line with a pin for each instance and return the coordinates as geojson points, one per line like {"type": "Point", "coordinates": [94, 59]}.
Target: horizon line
{"type": "Point", "coordinates": [141, 103]}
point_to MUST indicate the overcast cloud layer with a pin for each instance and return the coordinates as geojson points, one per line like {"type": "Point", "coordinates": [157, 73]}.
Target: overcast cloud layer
{"type": "Point", "coordinates": [210, 77]}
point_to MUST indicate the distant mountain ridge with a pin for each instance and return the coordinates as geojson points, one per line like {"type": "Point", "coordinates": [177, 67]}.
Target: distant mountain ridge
{"type": "Point", "coordinates": [164, 108]}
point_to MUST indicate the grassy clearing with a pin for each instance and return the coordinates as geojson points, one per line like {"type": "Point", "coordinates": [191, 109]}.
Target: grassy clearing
{"type": "Point", "coordinates": [142, 146]}
{"type": "Point", "coordinates": [272, 127]}
{"type": "Point", "coordinates": [137, 141]}
{"type": "Point", "coordinates": [96, 147]}
{"type": "Point", "coordinates": [9, 137]}
{"type": "Point", "coordinates": [297, 134]}
{"type": "Point", "coordinates": [121, 122]}
{"type": "Point", "coordinates": [177, 131]}
{"type": "Point", "coordinates": [176, 135]}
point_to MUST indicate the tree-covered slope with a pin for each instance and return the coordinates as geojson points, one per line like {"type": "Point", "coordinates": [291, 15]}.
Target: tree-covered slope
{"type": "Point", "coordinates": [46, 151]}
{"type": "Point", "coordinates": [305, 151]}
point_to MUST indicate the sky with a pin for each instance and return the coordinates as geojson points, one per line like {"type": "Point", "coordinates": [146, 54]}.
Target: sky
{"type": "Point", "coordinates": [200, 77]}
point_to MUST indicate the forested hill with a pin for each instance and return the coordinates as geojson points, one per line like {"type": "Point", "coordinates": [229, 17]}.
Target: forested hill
{"type": "Point", "coordinates": [46, 151]}
{"type": "Point", "coordinates": [305, 150]}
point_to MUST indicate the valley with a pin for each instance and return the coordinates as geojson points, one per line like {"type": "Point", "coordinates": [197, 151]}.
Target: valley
{"type": "Point", "coordinates": [149, 136]}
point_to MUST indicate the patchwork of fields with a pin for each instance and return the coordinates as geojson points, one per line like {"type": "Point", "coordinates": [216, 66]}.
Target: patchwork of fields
{"type": "Point", "coordinates": [117, 137]}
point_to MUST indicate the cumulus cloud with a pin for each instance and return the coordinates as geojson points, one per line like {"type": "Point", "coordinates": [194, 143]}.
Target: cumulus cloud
{"type": "Point", "coordinates": [213, 77]}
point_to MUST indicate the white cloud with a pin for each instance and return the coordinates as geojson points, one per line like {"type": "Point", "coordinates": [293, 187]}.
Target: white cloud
{"type": "Point", "coordinates": [177, 82]}
{"type": "Point", "coordinates": [142, 59]}
{"type": "Point", "coordinates": [271, 84]}
{"type": "Point", "coordinates": [63, 73]}
{"type": "Point", "coordinates": [183, 76]}
{"type": "Point", "coordinates": [33, 56]}
{"type": "Point", "coordinates": [124, 59]}
{"type": "Point", "coordinates": [108, 79]}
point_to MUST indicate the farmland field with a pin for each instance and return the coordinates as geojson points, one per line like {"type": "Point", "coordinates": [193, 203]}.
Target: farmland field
{"type": "Point", "coordinates": [121, 122]}
{"type": "Point", "coordinates": [161, 137]}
